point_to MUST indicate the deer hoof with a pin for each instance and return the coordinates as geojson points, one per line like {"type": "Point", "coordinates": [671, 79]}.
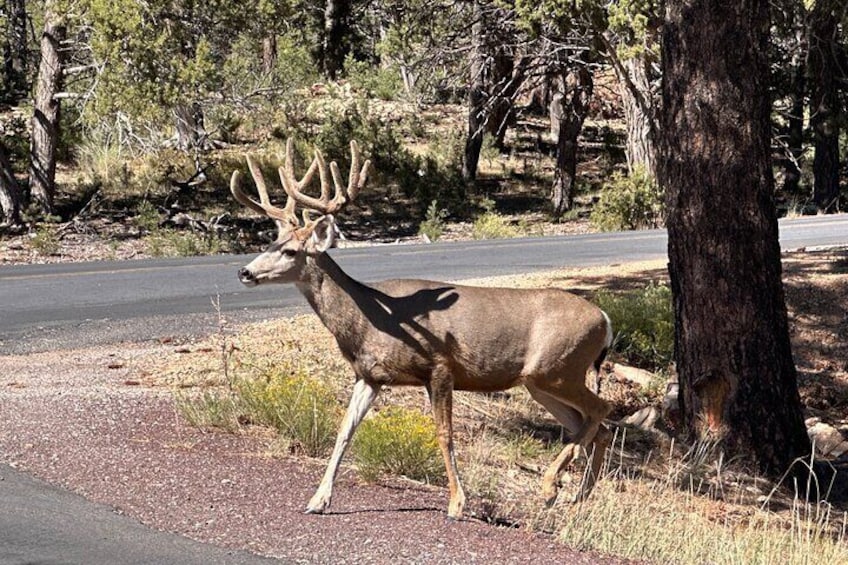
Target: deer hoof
{"type": "Point", "coordinates": [317, 506]}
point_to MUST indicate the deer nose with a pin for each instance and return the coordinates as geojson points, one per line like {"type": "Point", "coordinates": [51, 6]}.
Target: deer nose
{"type": "Point", "coordinates": [246, 277]}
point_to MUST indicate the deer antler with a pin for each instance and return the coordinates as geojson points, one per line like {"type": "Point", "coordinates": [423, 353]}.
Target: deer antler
{"type": "Point", "coordinates": [342, 195]}
{"type": "Point", "coordinates": [285, 217]}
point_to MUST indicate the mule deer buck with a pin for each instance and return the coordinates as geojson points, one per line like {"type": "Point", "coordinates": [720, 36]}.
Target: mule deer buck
{"type": "Point", "coordinates": [441, 336]}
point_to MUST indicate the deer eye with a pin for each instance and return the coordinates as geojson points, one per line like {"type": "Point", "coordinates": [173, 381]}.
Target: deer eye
{"type": "Point", "coordinates": [289, 252]}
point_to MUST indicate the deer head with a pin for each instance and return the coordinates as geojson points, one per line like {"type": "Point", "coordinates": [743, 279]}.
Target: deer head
{"type": "Point", "coordinates": [299, 241]}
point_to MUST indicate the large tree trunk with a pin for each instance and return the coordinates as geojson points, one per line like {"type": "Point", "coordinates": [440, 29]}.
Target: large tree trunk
{"type": "Point", "coordinates": [569, 108]}
{"type": "Point", "coordinates": [737, 377]}
{"type": "Point", "coordinates": [10, 195]}
{"type": "Point", "coordinates": [15, 60]}
{"type": "Point", "coordinates": [476, 98]}
{"type": "Point", "coordinates": [502, 90]}
{"type": "Point", "coordinates": [824, 69]}
{"type": "Point", "coordinates": [45, 118]}
{"type": "Point", "coordinates": [637, 100]}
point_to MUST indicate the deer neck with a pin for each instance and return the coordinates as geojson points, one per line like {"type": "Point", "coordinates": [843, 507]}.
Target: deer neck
{"type": "Point", "coordinates": [334, 295]}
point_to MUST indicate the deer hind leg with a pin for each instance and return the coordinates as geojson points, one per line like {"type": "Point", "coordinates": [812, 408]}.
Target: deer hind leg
{"type": "Point", "coordinates": [363, 396]}
{"type": "Point", "coordinates": [588, 432]}
{"type": "Point", "coordinates": [440, 390]}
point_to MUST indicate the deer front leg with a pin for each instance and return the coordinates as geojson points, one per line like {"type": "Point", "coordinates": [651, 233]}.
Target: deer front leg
{"type": "Point", "coordinates": [440, 390]}
{"type": "Point", "coordinates": [363, 395]}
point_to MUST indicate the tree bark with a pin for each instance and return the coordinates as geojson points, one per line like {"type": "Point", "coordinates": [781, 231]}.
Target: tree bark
{"type": "Point", "coordinates": [824, 70]}
{"type": "Point", "coordinates": [10, 194]}
{"type": "Point", "coordinates": [637, 97]}
{"type": "Point", "coordinates": [502, 90]}
{"type": "Point", "coordinates": [737, 377]}
{"type": "Point", "coordinates": [191, 131]}
{"type": "Point", "coordinates": [573, 108]}
{"type": "Point", "coordinates": [269, 53]}
{"type": "Point", "coordinates": [476, 98]}
{"type": "Point", "coordinates": [46, 113]}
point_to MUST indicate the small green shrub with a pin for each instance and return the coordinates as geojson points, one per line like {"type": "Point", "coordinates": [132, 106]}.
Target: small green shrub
{"type": "Point", "coordinates": [398, 441]}
{"type": "Point", "coordinates": [147, 216]}
{"type": "Point", "coordinates": [491, 225]}
{"type": "Point", "coordinates": [169, 243]}
{"type": "Point", "coordinates": [433, 225]}
{"type": "Point", "coordinates": [46, 239]}
{"type": "Point", "coordinates": [643, 323]}
{"type": "Point", "coordinates": [384, 83]}
{"type": "Point", "coordinates": [629, 203]}
{"type": "Point", "coordinates": [300, 408]}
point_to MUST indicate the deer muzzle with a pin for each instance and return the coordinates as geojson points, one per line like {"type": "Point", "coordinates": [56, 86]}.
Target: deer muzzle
{"type": "Point", "coordinates": [247, 277]}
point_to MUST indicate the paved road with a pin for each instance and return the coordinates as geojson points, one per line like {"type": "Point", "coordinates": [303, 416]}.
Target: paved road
{"type": "Point", "coordinates": [45, 307]}
{"type": "Point", "coordinates": [43, 524]}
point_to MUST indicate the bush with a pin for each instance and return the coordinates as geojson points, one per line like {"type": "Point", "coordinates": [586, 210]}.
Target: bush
{"type": "Point", "coordinates": [46, 239]}
{"type": "Point", "coordinates": [398, 441]}
{"type": "Point", "coordinates": [643, 323]}
{"type": "Point", "coordinates": [302, 409]}
{"type": "Point", "coordinates": [384, 83]}
{"type": "Point", "coordinates": [491, 225]}
{"type": "Point", "coordinates": [424, 178]}
{"type": "Point", "coordinates": [147, 217]}
{"type": "Point", "coordinates": [629, 203]}
{"type": "Point", "coordinates": [434, 222]}
{"type": "Point", "coordinates": [169, 243]}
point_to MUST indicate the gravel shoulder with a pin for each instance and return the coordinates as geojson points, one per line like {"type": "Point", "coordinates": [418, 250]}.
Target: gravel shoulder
{"type": "Point", "coordinates": [83, 420]}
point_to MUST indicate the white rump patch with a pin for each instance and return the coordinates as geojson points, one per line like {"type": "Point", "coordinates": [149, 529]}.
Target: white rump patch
{"type": "Point", "coordinates": [609, 338]}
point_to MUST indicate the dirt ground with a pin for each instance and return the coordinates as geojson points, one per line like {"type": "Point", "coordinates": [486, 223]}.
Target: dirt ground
{"type": "Point", "coordinates": [99, 423]}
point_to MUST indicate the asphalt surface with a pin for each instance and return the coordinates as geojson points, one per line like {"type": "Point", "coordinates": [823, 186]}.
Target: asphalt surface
{"type": "Point", "coordinates": [45, 525]}
{"type": "Point", "coordinates": [44, 307]}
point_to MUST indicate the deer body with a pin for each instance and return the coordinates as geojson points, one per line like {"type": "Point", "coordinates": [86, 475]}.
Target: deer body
{"type": "Point", "coordinates": [444, 337]}
{"type": "Point", "coordinates": [394, 332]}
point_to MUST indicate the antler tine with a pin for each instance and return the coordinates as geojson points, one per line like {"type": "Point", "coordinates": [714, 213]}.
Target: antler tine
{"type": "Point", "coordinates": [324, 204]}
{"type": "Point", "coordinates": [358, 177]}
{"type": "Point", "coordinates": [294, 187]}
{"type": "Point", "coordinates": [283, 216]}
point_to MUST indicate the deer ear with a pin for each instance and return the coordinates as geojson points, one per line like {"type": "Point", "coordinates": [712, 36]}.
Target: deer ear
{"type": "Point", "coordinates": [324, 233]}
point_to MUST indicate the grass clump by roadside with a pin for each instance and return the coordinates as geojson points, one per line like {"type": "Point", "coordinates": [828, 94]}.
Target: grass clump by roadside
{"type": "Point", "coordinates": [492, 225]}
{"type": "Point", "coordinates": [398, 441]}
{"type": "Point", "coordinates": [302, 410]}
